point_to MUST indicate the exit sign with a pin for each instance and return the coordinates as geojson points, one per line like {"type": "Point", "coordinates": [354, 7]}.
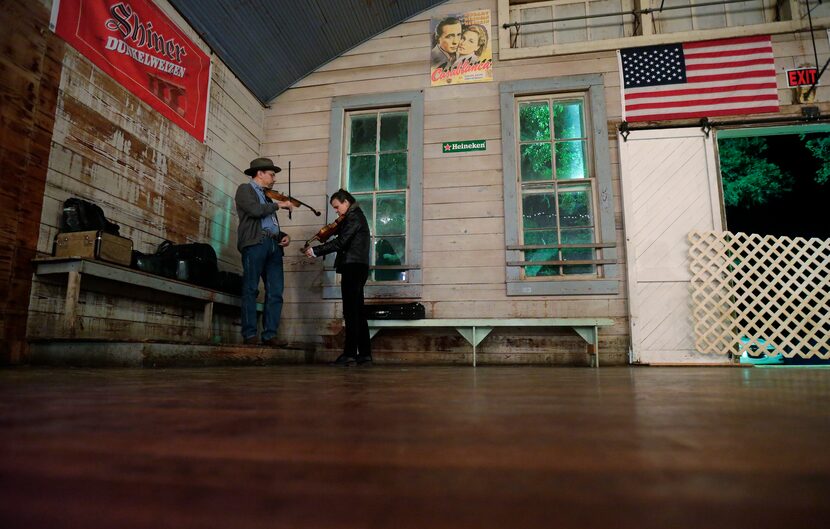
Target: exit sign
{"type": "Point", "coordinates": [801, 77]}
{"type": "Point", "coordinates": [464, 146]}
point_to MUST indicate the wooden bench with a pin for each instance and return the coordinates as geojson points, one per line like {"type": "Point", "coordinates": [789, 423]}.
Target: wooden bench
{"type": "Point", "coordinates": [475, 330]}
{"type": "Point", "coordinates": [76, 267]}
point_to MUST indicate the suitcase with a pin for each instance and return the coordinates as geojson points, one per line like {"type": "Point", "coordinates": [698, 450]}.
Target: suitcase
{"type": "Point", "coordinates": [394, 311]}
{"type": "Point", "coordinates": [94, 244]}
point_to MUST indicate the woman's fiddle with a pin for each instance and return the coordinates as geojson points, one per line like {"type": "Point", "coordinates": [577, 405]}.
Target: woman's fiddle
{"type": "Point", "coordinates": [325, 232]}
{"type": "Point", "coordinates": [275, 195]}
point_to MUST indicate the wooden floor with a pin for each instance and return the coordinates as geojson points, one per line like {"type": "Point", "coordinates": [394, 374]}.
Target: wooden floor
{"type": "Point", "coordinates": [419, 447]}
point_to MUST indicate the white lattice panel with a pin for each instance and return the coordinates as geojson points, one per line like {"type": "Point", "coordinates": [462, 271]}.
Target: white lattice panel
{"type": "Point", "coordinates": [760, 293]}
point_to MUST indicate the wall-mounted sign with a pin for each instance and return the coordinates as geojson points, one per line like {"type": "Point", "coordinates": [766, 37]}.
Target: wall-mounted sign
{"type": "Point", "coordinates": [461, 49]}
{"type": "Point", "coordinates": [464, 146]}
{"type": "Point", "coordinates": [801, 77]}
{"type": "Point", "coordinates": [138, 46]}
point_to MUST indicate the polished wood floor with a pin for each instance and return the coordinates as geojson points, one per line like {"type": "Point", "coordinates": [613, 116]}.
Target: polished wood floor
{"type": "Point", "coordinates": [418, 447]}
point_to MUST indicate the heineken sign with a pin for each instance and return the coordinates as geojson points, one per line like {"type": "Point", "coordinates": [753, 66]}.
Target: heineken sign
{"type": "Point", "coordinates": [464, 146]}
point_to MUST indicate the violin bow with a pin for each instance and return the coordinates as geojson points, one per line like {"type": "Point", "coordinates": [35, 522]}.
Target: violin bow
{"type": "Point", "coordinates": [289, 186]}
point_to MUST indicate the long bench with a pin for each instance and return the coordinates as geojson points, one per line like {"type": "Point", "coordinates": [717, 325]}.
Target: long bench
{"type": "Point", "coordinates": [75, 268]}
{"type": "Point", "coordinates": [477, 329]}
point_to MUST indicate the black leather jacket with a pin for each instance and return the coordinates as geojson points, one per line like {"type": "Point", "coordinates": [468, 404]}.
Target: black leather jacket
{"type": "Point", "coordinates": [352, 240]}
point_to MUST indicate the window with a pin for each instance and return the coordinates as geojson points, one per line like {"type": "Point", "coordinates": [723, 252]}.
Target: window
{"type": "Point", "coordinates": [376, 173]}
{"type": "Point", "coordinates": [557, 185]}
{"type": "Point", "coordinates": [376, 153]}
{"type": "Point", "coordinates": [538, 28]}
{"type": "Point", "coordinates": [689, 15]}
{"type": "Point", "coordinates": [559, 217]}
{"type": "Point", "coordinates": [578, 27]}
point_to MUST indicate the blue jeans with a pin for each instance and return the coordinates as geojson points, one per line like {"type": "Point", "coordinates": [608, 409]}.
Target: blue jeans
{"type": "Point", "coordinates": [264, 260]}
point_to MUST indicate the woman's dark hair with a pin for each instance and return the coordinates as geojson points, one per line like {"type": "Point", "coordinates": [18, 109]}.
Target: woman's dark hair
{"type": "Point", "coordinates": [342, 195]}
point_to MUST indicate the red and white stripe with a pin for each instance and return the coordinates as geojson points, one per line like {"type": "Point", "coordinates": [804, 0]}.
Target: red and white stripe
{"type": "Point", "coordinates": [723, 77]}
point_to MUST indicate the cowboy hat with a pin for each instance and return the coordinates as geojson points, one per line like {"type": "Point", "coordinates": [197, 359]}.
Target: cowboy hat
{"type": "Point", "coordinates": [261, 164]}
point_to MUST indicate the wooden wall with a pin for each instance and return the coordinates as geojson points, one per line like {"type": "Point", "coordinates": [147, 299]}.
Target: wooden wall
{"type": "Point", "coordinates": [151, 178]}
{"type": "Point", "coordinates": [464, 273]}
{"type": "Point", "coordinates": [464, 256]}
{"type": "Point", "coordinates": [29, 77]}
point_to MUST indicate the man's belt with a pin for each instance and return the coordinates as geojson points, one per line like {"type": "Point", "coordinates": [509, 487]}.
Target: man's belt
{"type": "Point", "coordinates": [270, 235]}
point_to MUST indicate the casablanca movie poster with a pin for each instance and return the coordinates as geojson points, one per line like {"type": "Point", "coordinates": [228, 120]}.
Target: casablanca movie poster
{"type": "Point", "coordinates": [461, 49]}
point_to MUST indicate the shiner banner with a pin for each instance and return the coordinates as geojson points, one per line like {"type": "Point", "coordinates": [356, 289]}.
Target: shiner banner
{"type": "Point", "coordinates": [135, 43]}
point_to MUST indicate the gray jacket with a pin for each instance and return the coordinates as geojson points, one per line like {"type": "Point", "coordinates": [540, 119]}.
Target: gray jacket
{"type": "Point", "coordinates": [251, 211]}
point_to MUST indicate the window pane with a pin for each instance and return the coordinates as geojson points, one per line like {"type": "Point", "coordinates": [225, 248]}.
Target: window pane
{"type": "Point", "coordinates": [570, 30]}
{"type": "Point", "coordinates": [365, 203]}
{"type": "Point", "coordinates": [536, 34]}
{"type": "Point", "coordinates": [570, 160]}
{"type": "Point", "coordinates": [361, 173]}
{"type": "Point", "coordinates": [392, 172]}
{"type": "Point", "coordinates": [390, 251]}
{"type": "Point", "coordinates": [567, 120]}
{"type": "Point", "coordinates": [391, 215]}
{"type": "Point", "coordinates": [548, 254]}
{"type": "Point", "coordinates": [536, 162]}
{"type": "Point", "coordinates": [575, 209]}
{"type": "Point", "coordinates": [364, 133]}
{"type": "Point", "coordinates": [393, 131]}
{"type": "Point", "coordinates": [581, 236]}
{"type": "Point", "coordinates": [538, 211]}
{"type": "Point", "coordinates": [534, 121]}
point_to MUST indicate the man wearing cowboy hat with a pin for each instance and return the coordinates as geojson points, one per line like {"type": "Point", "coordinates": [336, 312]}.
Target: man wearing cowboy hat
{"type": "Point", "coordinates": [261, 244]}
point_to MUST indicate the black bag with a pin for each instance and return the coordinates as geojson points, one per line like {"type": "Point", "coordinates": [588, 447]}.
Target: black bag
{"type": "Point", "coordinates": [229, 282]}
{"type": "Point", "coordinates": [80, 215]}
{"type": "Point", "coordinates": [154, 264]}
{"type": "Point", "coordinates": [394, 311]}
{"type": "Point", "coordinates": [192, 263]}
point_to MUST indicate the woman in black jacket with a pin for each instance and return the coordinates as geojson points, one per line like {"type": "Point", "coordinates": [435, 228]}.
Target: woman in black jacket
{"type": "Point", "coordinates": [352, 263]}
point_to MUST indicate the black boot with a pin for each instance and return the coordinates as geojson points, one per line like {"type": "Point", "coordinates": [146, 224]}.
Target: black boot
{"type": "Point", "coordinates": [364, 360]}
{"type": "Point", "coordinates": [344, 360]}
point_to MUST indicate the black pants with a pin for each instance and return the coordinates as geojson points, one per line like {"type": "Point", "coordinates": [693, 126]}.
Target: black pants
{"type": "Point", "coordinates": [353, 278]}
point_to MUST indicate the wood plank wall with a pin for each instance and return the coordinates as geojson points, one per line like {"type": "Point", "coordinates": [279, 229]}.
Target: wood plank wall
{"type": "Point", "coordinates": [151, 178]}
{"type": "Point", "coordinates": [29, 77]}
{"type": "Point", "coordinates": [464, 255]}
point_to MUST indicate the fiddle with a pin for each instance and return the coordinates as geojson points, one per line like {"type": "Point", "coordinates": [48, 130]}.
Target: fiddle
{"type": "Point", "coordinates": [275, 195]}
{"type": "Point", "coordinates": [325, 232]}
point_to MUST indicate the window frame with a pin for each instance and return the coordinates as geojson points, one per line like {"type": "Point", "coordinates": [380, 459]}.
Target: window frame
{"type": "Point", "coordinates": [648, 36]}
{"type": "Point", "coordinates": [594, 89]}
{"type": "Point", "coordinates": [414, 100]}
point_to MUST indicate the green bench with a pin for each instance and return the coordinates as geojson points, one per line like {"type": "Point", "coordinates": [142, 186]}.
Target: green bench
{"type": "Point", "coordinates": [474, 330]}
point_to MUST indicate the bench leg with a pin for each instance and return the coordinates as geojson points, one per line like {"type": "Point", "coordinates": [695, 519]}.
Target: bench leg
{"type": "Point", "coordinates": [474, 336]}
{"type": "Point", "coordinates": [207, 322]}
{"type": "Point", "coordinates": [590, 335]}
{"type": "Point", "coordinates": [70, 311]}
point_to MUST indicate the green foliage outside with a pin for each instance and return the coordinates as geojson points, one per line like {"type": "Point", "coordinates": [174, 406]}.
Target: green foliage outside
{"type": "Point", "coordinates": [819, 147]}
{"type": "Point", "coordinates": [750, 178]}
{"type": "Point", "coordinates": [538, 145]}
{"type": "Point", "coordinates": [382, 200]}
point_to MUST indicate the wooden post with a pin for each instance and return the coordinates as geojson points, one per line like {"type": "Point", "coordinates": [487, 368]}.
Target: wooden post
{"type": "Point", "coordinates": [70, 312]}
{"type": "Point", "coordinates": [207, 321]}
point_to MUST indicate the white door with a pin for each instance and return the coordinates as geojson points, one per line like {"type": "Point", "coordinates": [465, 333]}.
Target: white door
{"type": "Point", "coordinates": [669, 187]}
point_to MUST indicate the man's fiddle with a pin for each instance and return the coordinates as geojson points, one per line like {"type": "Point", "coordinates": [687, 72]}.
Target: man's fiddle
{"type": "Point", "coordinates": [275, 195]}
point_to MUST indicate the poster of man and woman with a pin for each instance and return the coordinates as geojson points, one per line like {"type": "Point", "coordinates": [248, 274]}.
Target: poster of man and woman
{"type": "Point", "coordinates": [461, 49]}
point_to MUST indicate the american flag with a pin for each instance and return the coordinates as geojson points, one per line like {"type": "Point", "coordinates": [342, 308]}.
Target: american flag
{"type": "Point", "coordinates": [699, 79]}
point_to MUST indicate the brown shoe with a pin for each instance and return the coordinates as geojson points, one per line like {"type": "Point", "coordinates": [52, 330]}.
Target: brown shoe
{"type": "Point", "coordinates": [250, 341]}
{"type": "Point", "coordinates": [274, 342]}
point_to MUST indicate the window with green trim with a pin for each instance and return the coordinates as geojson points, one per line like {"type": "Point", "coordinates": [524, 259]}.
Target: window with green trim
{"type": "Point", "coordinates": [376, 172]}
{"type": "Point", "coordinates": [557, 199]}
